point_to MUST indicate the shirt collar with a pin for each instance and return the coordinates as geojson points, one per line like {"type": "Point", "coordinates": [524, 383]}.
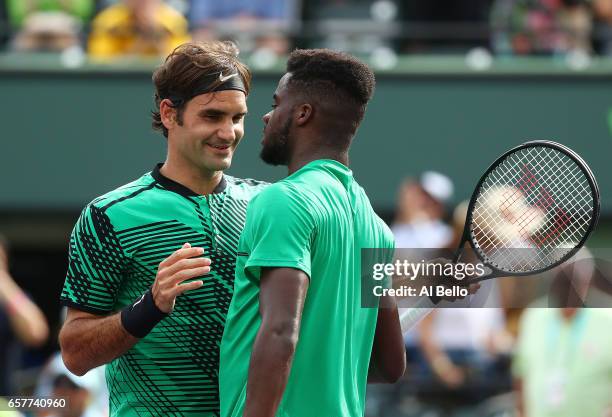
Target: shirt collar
{"type": "Point", "coordinates": [178, 188]}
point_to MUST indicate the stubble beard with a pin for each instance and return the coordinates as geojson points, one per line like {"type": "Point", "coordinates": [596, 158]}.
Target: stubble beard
{"type": "Point", "coordinates": [276, 149]}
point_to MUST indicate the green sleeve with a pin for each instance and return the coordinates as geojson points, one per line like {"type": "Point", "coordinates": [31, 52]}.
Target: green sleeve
{"type": "Point", "coordinates": [96, 264]}
{"type": "Point", "coordinates": [278, 231]}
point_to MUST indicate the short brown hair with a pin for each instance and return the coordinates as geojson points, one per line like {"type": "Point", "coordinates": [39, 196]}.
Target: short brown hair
{"type": "Point", "coordinates": [182, 70]}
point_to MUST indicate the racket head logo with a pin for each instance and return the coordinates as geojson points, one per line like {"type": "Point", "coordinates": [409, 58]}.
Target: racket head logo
{"type": "Point", "coordinates": [527, 212]}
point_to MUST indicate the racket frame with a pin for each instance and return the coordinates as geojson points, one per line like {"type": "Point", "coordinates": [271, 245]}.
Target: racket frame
{"type": "Point", "coordinates": [466, 236]}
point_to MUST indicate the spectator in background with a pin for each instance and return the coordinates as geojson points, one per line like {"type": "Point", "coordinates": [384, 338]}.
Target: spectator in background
{"type": "Point", "coordinates": [48, 25]}
{"type": "Point", "coordinates": [563, 361]}
{"type": "Point", "coordinates": [265, 21]}
{"type": "Point", "coordinates": [142, 28]}
{"type": "Point", "coordinates": [20, 321]}
{"type": "Point", "coordinates": [445, 26]}
{"type": "Point", "coordinates": [420, 210]}
{"type": "Point", "coordinates": [418, 224]}
{"type": "Point", "coordinates": [602, 10]}
{"type": "Point", "coordinates": [4, 25]}
{"type": "Point", "coordinates": [77, 395]}
{"type": "Point", "coordinates": [87, 395]}
{"type": "Point", "coordinates": [523, 27]}
{"type": "Point", "coordinates": [463, 348]}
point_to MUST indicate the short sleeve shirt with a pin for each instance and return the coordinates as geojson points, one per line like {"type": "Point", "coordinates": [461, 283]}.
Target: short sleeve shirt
{"type": "Point", "coordinates": [317, 220]}
{"type": "Point", "coordinates": [115, 249]}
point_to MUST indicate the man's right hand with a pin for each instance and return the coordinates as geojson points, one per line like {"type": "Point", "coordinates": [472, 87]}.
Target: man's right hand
{"type": "Point", "coordinates": [182, 265]}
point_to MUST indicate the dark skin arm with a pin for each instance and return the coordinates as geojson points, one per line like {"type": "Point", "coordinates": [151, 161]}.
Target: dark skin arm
{"type": "Point", "coordinates": [388, 360]}
{"type": "Point", "coordinates": [281, 301]}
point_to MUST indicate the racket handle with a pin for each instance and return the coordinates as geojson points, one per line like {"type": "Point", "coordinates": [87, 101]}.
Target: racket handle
{"type": "Point", "coordinates": [410, 317]}
{"type": "Point", "coordinates": [459, 250]}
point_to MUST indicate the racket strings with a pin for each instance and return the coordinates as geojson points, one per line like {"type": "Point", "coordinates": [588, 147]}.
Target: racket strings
{"type": "Point", "coordinates": [570, 173]}
{"type": "Point", "coordinates": [531, 210]}
{"type": "Point", "coordinates": [570, 200]}
{"type": "Point", "coordinates": [528, 180]}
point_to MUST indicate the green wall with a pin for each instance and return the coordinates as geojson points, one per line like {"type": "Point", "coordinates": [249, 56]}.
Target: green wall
{"type": "Point", "coordinates": [70, 135]}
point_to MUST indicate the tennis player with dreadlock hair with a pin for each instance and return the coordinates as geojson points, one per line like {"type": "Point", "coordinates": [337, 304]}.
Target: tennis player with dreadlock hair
{"type": "Point", "coordinates": [297, 340]}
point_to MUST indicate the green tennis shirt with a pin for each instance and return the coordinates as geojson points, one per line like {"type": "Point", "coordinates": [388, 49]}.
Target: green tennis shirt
{"type": "Point", "coordinates": [115, 250]}
{"type": "Point", "coordinates": [317, 220]}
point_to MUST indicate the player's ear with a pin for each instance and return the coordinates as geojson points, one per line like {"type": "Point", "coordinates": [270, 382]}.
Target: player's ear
{"type": "Point", "coordinates": [167, 113]}
{"type": "Point", "coordinates": [303, 114]}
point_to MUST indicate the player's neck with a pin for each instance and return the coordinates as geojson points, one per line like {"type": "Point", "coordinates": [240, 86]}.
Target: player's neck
{"type": "Point", "coordinates": [198, 181]}
{"type": "Point", "coordinates": [300, 159]}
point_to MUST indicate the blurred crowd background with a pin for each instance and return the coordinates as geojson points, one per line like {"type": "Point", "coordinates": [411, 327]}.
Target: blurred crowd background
{"type": "Point", "coordinates": [107, 29]}
{"type": "Point", "coordinates": [497, 361]}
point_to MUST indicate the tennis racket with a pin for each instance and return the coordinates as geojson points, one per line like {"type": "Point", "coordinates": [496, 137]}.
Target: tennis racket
{"type": "Point", "coordinates": [532, 210]}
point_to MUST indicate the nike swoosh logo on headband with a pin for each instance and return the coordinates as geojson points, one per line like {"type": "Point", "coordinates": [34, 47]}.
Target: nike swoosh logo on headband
{"type": "Point", "coordinates": [227, 77]}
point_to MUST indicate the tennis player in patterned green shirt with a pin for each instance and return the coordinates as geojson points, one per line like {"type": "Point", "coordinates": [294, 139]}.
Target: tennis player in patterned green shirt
{"type": "Point", "coordinates": [297, 341]}
{"type": "Point", "coordinates": [151, 264]}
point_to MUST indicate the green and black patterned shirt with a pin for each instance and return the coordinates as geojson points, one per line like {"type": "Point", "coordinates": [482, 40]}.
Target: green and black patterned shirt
{"type": "Point", "coordinates": [115, 250]}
